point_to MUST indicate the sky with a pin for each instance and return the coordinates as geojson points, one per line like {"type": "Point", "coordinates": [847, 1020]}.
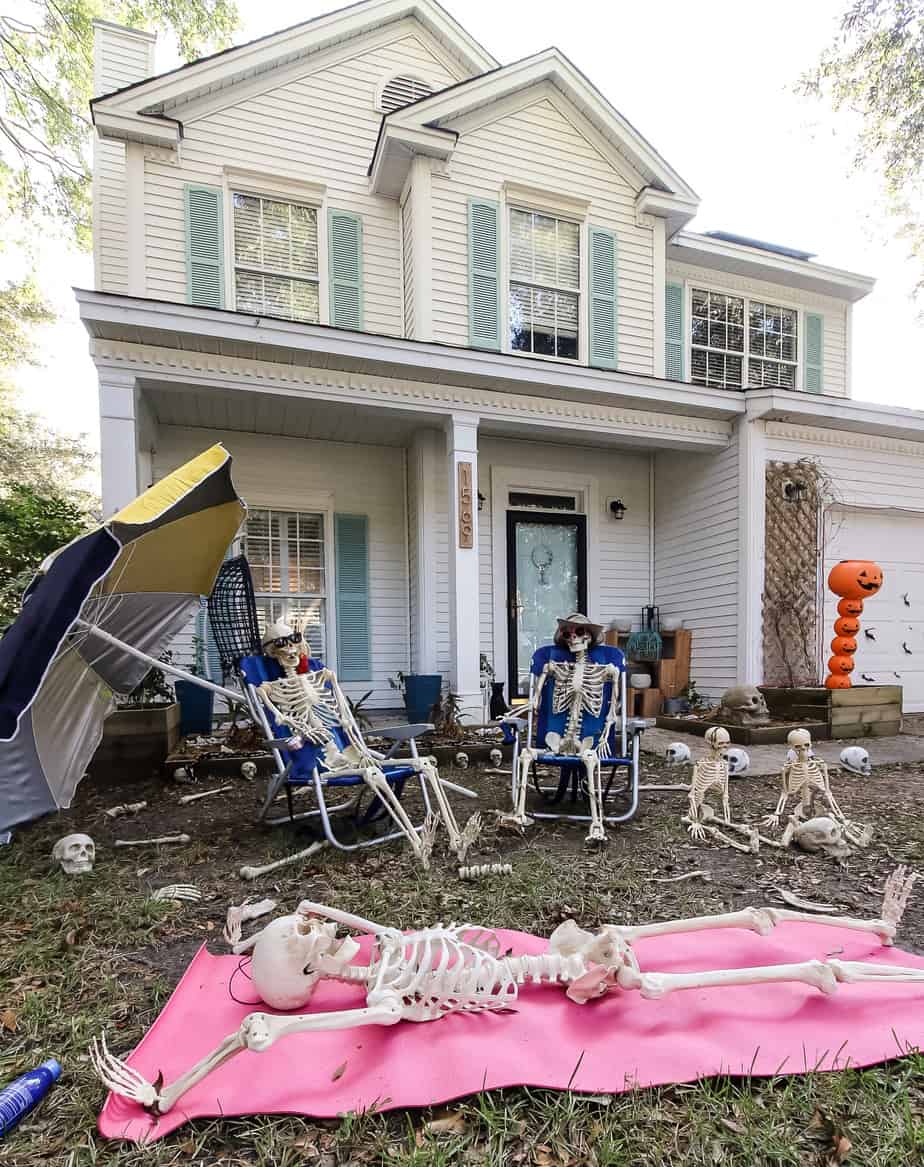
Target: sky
{"type": "Point", "coordinates": [711, 87]}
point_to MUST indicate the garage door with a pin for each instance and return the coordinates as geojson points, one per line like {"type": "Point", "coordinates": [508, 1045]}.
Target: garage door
{"type": "Point", "coordinates": [891, 641]}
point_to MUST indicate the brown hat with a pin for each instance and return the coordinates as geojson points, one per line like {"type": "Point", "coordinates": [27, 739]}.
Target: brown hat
{"type": "Point", "coordinates": [579, 618]}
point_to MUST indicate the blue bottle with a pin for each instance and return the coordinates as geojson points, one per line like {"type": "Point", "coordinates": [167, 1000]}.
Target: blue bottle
{"type": "Point", "coordinates": [17, 1099]}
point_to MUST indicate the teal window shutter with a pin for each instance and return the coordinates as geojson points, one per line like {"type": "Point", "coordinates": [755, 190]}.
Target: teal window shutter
{"type": "Point", "coordinates": [602, 283]}
{"type": "Point", "coordinates": [351, 541]}
{"type": "Point", "coordinates": [345, 264]}
{"type": "Point", "coordinates": [813, 349]}
{"type": "Point", "coordinates": [483, 274]}
{"type": "Point", "coordinates": [674, 340]}
{"type": "Point", "coordinates": [205, 247]}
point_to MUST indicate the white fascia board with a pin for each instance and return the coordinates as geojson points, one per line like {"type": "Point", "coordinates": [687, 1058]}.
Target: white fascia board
{"type": "Point", "coordinates": [549, 65]}
{"type": "Point", "coordinates": [395, 152]}
{"type": "Point", "coordinates": [134, 127]}
{"type": "Point", "coordinates": [812, 409]}
{"type": "Point", "coordinates": [416, 360]}
{"type": "Point", "coordinates": [704, 251]}
{"type": "Point", "coordinates": [242, 61]}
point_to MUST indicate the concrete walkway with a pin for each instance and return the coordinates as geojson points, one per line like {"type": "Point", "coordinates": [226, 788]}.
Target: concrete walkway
{"type": "Point", "coordinates": [908, 746]}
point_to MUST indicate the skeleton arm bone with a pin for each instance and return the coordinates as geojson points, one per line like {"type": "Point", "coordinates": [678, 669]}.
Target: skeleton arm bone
{"type": "Point", "coordinates": [612, 675]}
{"type": "Point", "coordinates": [760, 920]}
{"type": "Point", "coordinates": [315, 736]}
{"type": "Point", "coordinates": [773, 820]}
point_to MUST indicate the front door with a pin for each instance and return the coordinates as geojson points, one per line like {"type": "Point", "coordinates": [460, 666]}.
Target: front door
{"type": "Point", "coordinates": [546, 567]}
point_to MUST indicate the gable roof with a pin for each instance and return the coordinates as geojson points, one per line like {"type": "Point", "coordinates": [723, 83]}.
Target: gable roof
{"type": "Point", "coordinates": [157, 96]}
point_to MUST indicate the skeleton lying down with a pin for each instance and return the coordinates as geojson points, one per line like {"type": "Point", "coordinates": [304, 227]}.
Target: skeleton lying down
{"type": "Point", "coordinates": [423, 976]}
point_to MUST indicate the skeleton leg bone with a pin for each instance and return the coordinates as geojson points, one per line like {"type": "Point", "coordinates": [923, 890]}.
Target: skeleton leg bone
{"type": "Point", "coordinates": [591, 764]}
{"type": "Point", "coordinates": [377, 782]}
{"type": "Point", "coordinates": [520, 818]}
{"type": "Point", "coordinates": [760, 920]}
{"type": "Point", "coordinates": [257, 1032]}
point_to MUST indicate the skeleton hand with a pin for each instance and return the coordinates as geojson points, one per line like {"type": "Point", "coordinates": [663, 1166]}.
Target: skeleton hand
{"type": "Point", "coordinates": [696, 830]}
{"type": "Point", "coordinates": [232, 929]}
{"type": "Point", "coordinates": [295, 742]}
{"type": "Point", "coordinates": [770, 820]}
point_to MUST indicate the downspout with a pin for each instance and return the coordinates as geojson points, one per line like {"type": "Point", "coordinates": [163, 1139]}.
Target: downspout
{"type": "Point", "coordinates": [651, 528]}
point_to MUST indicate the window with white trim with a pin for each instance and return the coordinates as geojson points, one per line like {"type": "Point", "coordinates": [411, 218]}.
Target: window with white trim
{"type": "Point", "coordinates": [275, 258]}
{"type": "Point", "coordinates": [286, 553]}
{"type": "Point", "coordinates": [736, 341]}
{"type": "Point", "coordinates": [545, 280]}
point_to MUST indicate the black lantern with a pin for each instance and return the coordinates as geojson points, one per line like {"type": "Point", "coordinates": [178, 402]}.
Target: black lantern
{"type": "Point", "coordinates": [617, 508]}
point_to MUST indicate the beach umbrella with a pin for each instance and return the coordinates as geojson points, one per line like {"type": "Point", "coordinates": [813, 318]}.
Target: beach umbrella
{"type": "Point", "coordinates": [94, 620]}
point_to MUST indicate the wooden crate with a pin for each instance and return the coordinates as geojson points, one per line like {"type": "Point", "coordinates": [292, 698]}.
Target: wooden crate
{"type": "Point", "coordinates": [644, 702]}
{"type": "Point", "coordinates": [860, 711]}
{"type": "Point", "coordinates": [671, 673]}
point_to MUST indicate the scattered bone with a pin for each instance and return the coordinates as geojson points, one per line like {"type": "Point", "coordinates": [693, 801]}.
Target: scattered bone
{"type": "Point", "coordinates": [249, 770]}
{"type": "Point", "coordinates": [502, 773]}
{"type": "Point", "coordinates": [115, 812]}
{"type": "Point", "coordinates": [299, 856]}
{"type": "Point", "coordinates": [795, 901]}
{"type": "Point", "coordinates": [898, 888]}
{"type": "Point", "coordinates": [821, 833]}
{"type": "Point", "coordinates": [469, 834]}
{"type": "Point", "coordinates": [184, 774]}
{"type": "Point", "coordinates": [238, 915]}
{"type": "Point", "coordinates": [177, 891]}
{"type": "Point", "coordinates": [661, 786]}
{"type": "Point", "coordinates": [482, 869]}
{"type": "Point", "coordinates": [187, 798]}
{"type": "Point", "coordinates": [151, 842]}
{"type": "Point", "coordinates": [686, 875]}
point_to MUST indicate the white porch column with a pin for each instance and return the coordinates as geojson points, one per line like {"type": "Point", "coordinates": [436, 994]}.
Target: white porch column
{"type": "Point", "coordinates": [462, 451]}
{"type": "Point", "coordinates": [118, 439]}
{"type": "Point", "coordinates": [422, 471]}
{"type": "Point", "coordinates": [752, 459]}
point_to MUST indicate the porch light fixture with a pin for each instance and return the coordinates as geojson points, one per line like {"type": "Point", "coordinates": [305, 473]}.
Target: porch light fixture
{"type": "Point", "coordinates": [794, 491]}
{"type": "Point", "coordinates": [480, 501]}
{"type": "Point", "coordinates": [617, 508]}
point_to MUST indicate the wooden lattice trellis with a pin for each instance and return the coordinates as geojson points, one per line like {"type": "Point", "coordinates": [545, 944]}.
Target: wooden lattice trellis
{"type": "Point", "coordinates": [793, 552]}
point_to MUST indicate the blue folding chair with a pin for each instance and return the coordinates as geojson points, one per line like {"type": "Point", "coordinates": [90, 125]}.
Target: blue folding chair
{"type": "Point", "coordinates": [307, 767]}
{"type": "Point", "coordinates": [619, 751]}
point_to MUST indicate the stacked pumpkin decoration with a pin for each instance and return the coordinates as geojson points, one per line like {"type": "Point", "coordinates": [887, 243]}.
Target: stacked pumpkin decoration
{"type": "Point", "coordinates": [853, 580]}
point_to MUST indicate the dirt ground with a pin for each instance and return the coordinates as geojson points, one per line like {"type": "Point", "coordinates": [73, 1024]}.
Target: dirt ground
{"type": "Point", "coordinates": [81, 955]}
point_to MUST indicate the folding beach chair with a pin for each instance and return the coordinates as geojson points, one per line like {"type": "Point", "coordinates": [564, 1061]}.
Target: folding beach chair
{"type": "Point", "coordinates": [306, 766]}
{"type": "Point", "coordinates": [619, 752]}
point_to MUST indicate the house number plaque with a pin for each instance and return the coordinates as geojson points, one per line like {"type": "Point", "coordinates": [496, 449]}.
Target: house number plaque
{"type": "Point", "coordinates": [466, 519]}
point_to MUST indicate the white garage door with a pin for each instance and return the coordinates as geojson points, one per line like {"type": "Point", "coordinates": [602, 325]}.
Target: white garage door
{"type": "Point", "coordinates": [891, 640]}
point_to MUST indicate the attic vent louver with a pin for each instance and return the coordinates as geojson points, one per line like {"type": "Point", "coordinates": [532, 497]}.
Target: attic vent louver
{"type": "Point", "coordinates": [401, 91]}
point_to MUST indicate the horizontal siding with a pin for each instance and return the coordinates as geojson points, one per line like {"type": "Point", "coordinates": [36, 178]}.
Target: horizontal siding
{"type": "Point", "coordinates": [539, 147]}
{"type": "Point", "coordinates": [834, 311]}
{"type": "Point", "coordinates": [119, 59]}
{"type": "Point", "coordinates": [323, 129]}
{"type": "Point", "coordinates": [365, 480]}
{"type": "Point", "coordinates": [696, 557]}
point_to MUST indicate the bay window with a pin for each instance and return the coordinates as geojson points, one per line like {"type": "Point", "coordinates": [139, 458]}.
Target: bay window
{"type": "Point", "coordinates": [737, 341]}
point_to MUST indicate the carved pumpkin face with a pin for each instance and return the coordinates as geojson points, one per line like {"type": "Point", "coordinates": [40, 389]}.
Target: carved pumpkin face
{"type": "Point", "coordinates": [840, 665]}
{"type": "Point", "coordinates": [855, 579]}
{"type": "Point", "coordinates": [847, 607]}
{"type": "Point", "coordinates": [840, 682]}
{"type": "Point", "coordinates": [846, 626]}
{"type": "Point", "coordinates": [843, 646]}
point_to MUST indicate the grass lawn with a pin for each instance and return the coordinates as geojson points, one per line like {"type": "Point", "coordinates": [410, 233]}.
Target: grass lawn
{"type": "Point", "coordinates": [81, 955]}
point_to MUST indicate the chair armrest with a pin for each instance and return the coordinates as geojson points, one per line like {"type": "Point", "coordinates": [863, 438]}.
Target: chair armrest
{"type": "Point", "coordinates": [640, 724]}
{"type": "Point", "coordinates": [510, 719]}
{"type": "Point", "coordinates": [401, 733]}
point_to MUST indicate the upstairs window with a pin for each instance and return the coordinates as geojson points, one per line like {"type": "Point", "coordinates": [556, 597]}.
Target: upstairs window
{"type": "Point", "coordinates": [737, 342]}
{"type": "Point", "coordinates": [276, 258]}
{"type": "Point", "coordinates": [401, 91]}
{"type": "Point", "coordinates": [545, 277]}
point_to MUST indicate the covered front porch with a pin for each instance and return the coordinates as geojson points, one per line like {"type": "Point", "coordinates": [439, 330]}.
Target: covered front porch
{"type": "Point", "coordinates": [415, 524]}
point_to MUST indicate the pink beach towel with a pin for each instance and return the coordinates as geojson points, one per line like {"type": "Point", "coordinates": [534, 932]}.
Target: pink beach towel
{"type": "Point", "coordinates": [606, 1046]}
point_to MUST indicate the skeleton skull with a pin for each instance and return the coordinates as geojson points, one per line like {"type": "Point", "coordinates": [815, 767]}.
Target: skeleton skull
{"type": "Point", "coordinates": [248, 770]}
{"type": "Point", "coordinates": [821, 834]}
{"type": "Point", "coordinates": [801, 742]}
{"type": "Point", "coordinates": [462, 760]}
{"type": "Point", "coordinates": [717, 738]}
{"type": "Point", "coordinates": [496, 757]}
{"type": "Point", "coordinates": [856, 760]}
{"type": "Point", "coordinates": [677, 754]}
{"type": "Point", "coordinates": [75, 854]}
{"type": "Point", "coordinates": [744, 705]}
{"type": "Point", "coordinates": [738, 762]}
{"type": "Point", "coordinates": [284, 644]}
{"type": "Point", "coordinates": [293, 954]}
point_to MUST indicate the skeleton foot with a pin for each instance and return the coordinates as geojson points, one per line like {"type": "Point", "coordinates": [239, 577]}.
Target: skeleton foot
{"type": "Point", "coordinates": [597, 836]}
{"type": "Point", "coordinates": [859, 835]}
{"type": "Point", "coordinates": [514, 822]}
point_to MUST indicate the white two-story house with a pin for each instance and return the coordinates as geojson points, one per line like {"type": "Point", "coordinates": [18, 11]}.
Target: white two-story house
{"type": "Point", "coordinates": [474, 369]}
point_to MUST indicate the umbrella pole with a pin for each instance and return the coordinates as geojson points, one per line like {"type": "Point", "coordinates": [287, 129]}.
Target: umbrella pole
{"type": "Point", "coordinates": [228, 694]}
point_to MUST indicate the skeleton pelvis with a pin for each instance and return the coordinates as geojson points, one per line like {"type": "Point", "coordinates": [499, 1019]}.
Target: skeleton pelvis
{"type": "Point", "coordinates": [557, 744]}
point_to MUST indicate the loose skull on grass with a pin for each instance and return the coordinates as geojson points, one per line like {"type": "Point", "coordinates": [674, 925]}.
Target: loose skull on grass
{"type": "Point", "coordinates": [75, 854]}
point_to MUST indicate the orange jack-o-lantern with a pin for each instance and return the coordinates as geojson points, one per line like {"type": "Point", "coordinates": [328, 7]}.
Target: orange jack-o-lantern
{"type": "Point", "coordinates": [846, 626]}
{"type": "Point", "coordinates": [847, 607]}
{"type": "Point", "coordinates": [843, 645]}
{"type": "Point", "coordinates": [855, 579]}
{"type": "Point", "coordinates": [838, 682]}
{"type": "Point", "coordinates": [840, 665]}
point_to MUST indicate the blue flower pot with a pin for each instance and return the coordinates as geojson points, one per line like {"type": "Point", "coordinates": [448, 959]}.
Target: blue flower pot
{"type": "Point", "coordinates": [195, 707]}
{"type": "Point", "coordinates": [421, 693]}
